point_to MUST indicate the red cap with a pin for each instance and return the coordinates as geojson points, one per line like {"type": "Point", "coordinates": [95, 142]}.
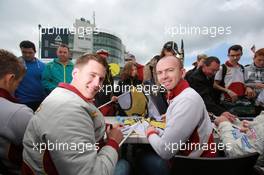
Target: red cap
{"type": "Point", "coordinates": [102, 52]}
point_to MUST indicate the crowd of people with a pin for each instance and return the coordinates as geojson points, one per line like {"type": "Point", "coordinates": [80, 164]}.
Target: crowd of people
{"type": "Point", "coordinates": [52, 121]}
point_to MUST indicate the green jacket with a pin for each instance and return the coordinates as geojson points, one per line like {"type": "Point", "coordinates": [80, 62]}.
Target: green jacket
{"type": "Point", "coordinates": [54, 73]}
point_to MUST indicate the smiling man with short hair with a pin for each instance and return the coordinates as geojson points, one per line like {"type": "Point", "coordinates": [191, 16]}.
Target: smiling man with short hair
{"type": "Point", "coordinates": [187, 120]}
{"type": "Point", "coordinates": [68, 116]}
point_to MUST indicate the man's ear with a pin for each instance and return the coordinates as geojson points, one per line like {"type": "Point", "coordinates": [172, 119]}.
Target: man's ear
{"type": "Point", "coordinates": [8, 79]}
{"type": "Point", "coordinates": [75, 71]}
{"type": "Point", "coordinates": [183, 72]}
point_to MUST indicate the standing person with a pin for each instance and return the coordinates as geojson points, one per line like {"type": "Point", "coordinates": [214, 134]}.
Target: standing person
{"type": "Point", "coordinates": [170, 48]}
{"type": "Point", "coordinates": [30, 91]}
{"type": "Point", "coordinates": [232, 84]}
{"type": "Point", "coordinates": [236, 96]}
{"type": "Point", "coordinates": [140, 68]}
{"type": "Point", "coordinates": [129, 75]}
{"type": "Point", "coordinates": [202, 81]}
{"type": "Point", "coordinates": [255, 76]}
{"type": "Point", "coordinates": [68, 116]}
{"type": "Point", "coordinates": [187, 120]}
{"type": "Point", "coordinates": [150, 75]}
{"type": "Point", "coordinates": [59, 70]}
{"type": "Point", "coordinates": [128, 79]}
{"type": "Point", "coordinates": [199, 63]}
{"type": "Point", "coordinates": [104, 95]}
{"type": "Point", "coordinates": [14, 117]}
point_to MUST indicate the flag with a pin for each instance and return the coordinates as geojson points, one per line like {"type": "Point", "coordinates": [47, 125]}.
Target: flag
{"type": "Point", "coordinates": [108, 109]}
{"type": "Point", "coordinates": [134, 103]}
{"type": "Point", "coordinates": [114, 68]}
{"type": "Point", "coordinates": [137, 103]}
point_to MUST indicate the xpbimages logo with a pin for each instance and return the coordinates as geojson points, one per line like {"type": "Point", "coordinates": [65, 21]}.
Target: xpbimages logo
{"type": "Point", "coordinates": [182, 146]}
{"type": "Point", "coordinates": [211, 31]}
{"type": "Point", "coordinates": [146, 89]}
{"type": "Point", "coordinates": [80, 147]}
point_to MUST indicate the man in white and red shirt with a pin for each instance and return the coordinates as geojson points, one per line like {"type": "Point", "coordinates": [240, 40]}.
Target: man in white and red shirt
{"type": "Point", "coordinates": [68, 117]}
{"type": "Point", "coordinates": [232, 81]}
{"type": "Point", "coordinates": [187, 120]}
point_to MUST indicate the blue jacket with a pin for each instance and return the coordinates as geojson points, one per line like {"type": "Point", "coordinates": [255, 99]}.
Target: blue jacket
{"type": "Point", "coordinates": [30, 88]}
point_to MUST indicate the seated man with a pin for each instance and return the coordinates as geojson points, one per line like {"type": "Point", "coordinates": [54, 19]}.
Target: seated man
{"type": "Point", "coordinates": [65, 136]}
{"type": "Point", "coordinates": [14, 117]}
{"type": "Point", "coordinates": [255, 76]}
{"type": "Point", "coordinates": [202, 81]}
{"type": "Point", "coordinates": [249, 139]}
{"type": "Point", "coordinates": [187, 120]}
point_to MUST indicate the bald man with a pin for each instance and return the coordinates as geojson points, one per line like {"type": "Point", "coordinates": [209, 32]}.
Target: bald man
{"type": "Point", "coordinates": [187, 120]}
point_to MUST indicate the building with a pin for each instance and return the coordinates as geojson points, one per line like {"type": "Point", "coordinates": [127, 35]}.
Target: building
{"type": "Point", "coordinates": [51, 39]}
{"type": "Point", "coordinates": [112, 44]}
{"type": "Point", "coordinates": [82, 38]}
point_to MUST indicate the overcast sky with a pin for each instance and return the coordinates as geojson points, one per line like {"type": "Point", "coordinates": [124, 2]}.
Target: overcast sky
{"type": "Point", "coordinates": [144, 26]}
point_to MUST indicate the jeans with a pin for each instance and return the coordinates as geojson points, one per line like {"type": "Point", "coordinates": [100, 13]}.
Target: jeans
{"type": "Point", "coordinates": [122, 168]}
{"type": "Point", "coordinates": [152, 164]}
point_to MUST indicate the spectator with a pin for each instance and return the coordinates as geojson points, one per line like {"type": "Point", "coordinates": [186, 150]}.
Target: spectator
{"type": "Point", "coordinates": [59, 70]}
{"type": "Point", "coordinates": [129, 75]}
{"type": "Point", "coordinates": [140, 68]}
{"type": "Point", "coordinates": [105, 95]}
{"type": "Point", "coordinates": [128, 79]}
{"type": "Point", "coordinates": [233, 85]}
{"type": "Point", "coordinates": [14, 117]}
{"type": "Point", "coordinates": [68, 116]}
{"type": "Point", "coordinates": [30, 91]}
{"type": "Point", "coordinates": [255, 76]}
{"type": "Point", "coordinates": [230, 81]}
{"type": "Point", "coordinates": [202, 81]}
{"type": "Point", "coordinates": [199, 63]}
{"type": "Point", "coordinates": [150, 70]}
{"type": "Point", "coordinates": [170, 48]}
{"type": "Point", "coordinates": [150, 78]}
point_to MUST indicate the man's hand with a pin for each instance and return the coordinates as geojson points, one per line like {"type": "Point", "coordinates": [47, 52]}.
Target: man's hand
{"type": "Point", "coordinates": [163, 117]}
{"type": "Point", "coordinates": [229, 116]}
{"type": "Point", "coordinates": [115, 134]}
{"type": "Point", "coordinates": [220, 119]}
{"type": "Point", "coordinates": [150, 130]}
{"type": "Point", "coordinates": [245, 126]}
{"type": "Point", "coordinates": [250, 93]}
{"type": "Point", "coordinates": [233, 95]}
{"type": "Point", "coordinates": [259, 85]}
{"type": "Point", "coordinates": [114, 99]}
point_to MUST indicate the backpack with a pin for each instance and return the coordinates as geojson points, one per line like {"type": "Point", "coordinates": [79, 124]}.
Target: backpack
{"type": "Point", "coordinates": [243, 107]}
{"type": "Point", "coordinates": [222, 82]}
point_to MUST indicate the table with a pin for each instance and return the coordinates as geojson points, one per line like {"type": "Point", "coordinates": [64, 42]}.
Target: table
{"type": "Point", "coordinates": [140, 139]}
{"type": "Point", "coordinates": [133, 138]}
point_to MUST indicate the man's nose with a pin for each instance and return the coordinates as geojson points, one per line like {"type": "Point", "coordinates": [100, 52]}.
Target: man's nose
{"type": "Point", "coordinates": [96, 82]}
{"type": "Point", "coordinates": [164, 75]}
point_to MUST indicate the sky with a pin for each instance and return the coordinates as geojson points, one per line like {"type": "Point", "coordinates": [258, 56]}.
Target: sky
{"type": "Point", "coordinates": [206, 26]}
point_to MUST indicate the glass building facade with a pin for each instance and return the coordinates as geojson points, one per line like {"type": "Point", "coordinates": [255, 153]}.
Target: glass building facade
{"type": "Point", "coordinates": [112, 44]}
